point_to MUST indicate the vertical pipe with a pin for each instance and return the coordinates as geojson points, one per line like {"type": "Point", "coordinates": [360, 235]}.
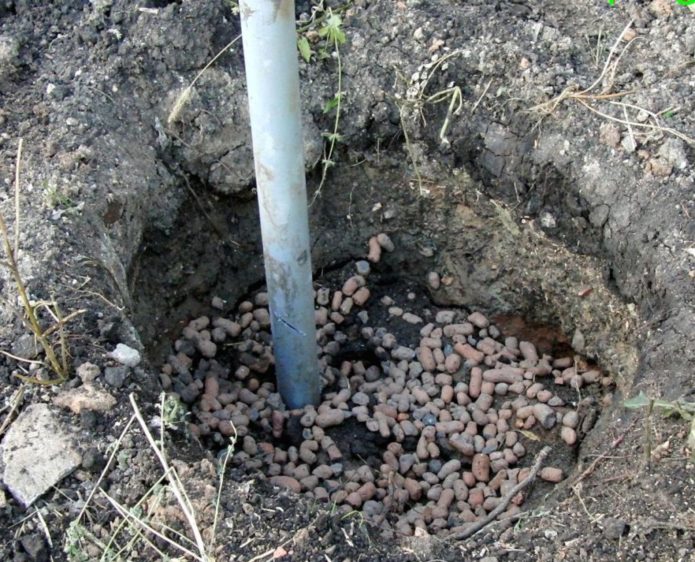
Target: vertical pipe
{"type": "Point", "coordinates": [272, 76]}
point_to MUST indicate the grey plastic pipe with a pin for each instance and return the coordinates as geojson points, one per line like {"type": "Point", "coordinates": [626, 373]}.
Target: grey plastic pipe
{"type": "Point", "coordinates": [272, 76]}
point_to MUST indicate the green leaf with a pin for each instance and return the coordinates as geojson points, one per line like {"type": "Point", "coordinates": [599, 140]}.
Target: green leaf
{"type": "Point", "coordinates": [331, 104]}
{"type": "Point", "coordinates": [683, 409]}
{"type": "Point", "coordinates": [333, 137]}
{"type": "Point", "coordinates": [304, 48]}
{"type": "Point", "coordinates": [639, 401]}
{"type": "Point", "coordinates": [333, 30]}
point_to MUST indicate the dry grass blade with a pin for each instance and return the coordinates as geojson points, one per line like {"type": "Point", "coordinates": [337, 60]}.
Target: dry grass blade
{"type": "Point", "coordinates": [104, 472]}
{"type": "Point", "coordinates": [59, 366]}
{"type": "Point", "coordinates": [121, 526]}
{"type": "Point", "coordinates": [218, 499]}
{"type": "Point", "coordinates": [131, 518]}
{"type": "Point", "coordinates": [17, 169]}
{"type": "Point", "coordinates": [584, 97]}
{"type": "Point", "coordinates": [184, 503]}
{"type": "Point", "coordinates": [184, 96]}
{"type": "Point", "coordinates": [650, 126]}
{"type": "Point", "coordinates": [609, 58]}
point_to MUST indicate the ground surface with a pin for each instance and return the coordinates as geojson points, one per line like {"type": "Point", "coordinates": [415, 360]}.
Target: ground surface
{"type": "Point", "coordinates": [549, 201]}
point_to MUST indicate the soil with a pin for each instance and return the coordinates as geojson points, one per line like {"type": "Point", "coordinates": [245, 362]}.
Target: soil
{"type": "Point", "coordinates": [542, 208]}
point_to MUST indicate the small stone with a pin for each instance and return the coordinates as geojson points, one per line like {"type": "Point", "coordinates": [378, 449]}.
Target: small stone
{"type": "Point", "coordinates": [217, 303]}
{"type": "Point", "coordinates": [309, 417]}
{"type": "Point", "coordinates": [426, 359]}
{"type": "Point", "coordinates": [433, 280]}
{"type": "Point", "coordinates": [346, 306]}
{"type": "Point", "coordinates": [402, 353]}
{"type": "Point", "coordinates": [262, 316]}
{"type": "Point", "coordinates": [330, 418]}
{"type": "Point", "coordinates": [469, 353]}
{"type": "Point", "coordinates": [571, 419]}
{"type": "Point", "coordinates": [452, 363]}
{"type": "Point", "coordinates": [406, 462]}
{"type": "Point", "coordinates": [385, 242]}
{"type": "Point", "coordinates": [480, 467]}
{"type": "Point", "coordinates": [323, 296]}
{"type": "Point", "coordinates": [395, 311]}
{"type": "Point", "coordinates": [528, 350]}
{"type": "Point", "coordinates": [614, 528]}
{"type": "Point", "coordinates": [233, 329]}
{"type": "Point", "coordinates": [360, 398]}
{"type": "Point", "coordinates": [545, 415]}
{"type": "Point", "coordinates": [374, 254]}
{"type": "Point", "coordinates": [479, 320]}
{"type": "Point", "coordinates": [578, 341]}
{"type": "Point", "coordinates": [568, 435]}
{"type": "Point", "coordinates": [125, 355]}
{"type": "Point", "coordinates": [414, 488]}
{"type": "Point", "coordinates": [261, 299]}
{"type": "Point", "coordinates": [361, 296]}
{"type": "Point", "coordinates": [362, 267]}
{"type": "Point", "coordinates": [116, 376]}
{"type": "Point", "coordinates": [449, 467]}
{"type": "Point", "coordinates": [411, 318]}
{"type": "Point", "coordinates": [445, 317]}
{"type": "Point", "coordinates": [200, 323]}
{"type": "Point", "coordinates": [323, 471]}
{"type": "Point", "coordinates": [551, 474]}
{"type": "Point", "coordinates": [88, 372]}
{"type": "Point", "coordinates": [85, 397]}
{"type": "Point", "coordinates": [354, 499]}
{"type": "Point", "coordinates": [286, 482]}
{"type": "Point", "coordinates": [352, 284]}
{"type": "Point", "coordinates": [207, 348]}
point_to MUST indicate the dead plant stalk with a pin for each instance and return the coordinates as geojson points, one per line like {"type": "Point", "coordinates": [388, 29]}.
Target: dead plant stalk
{"type": "Point", "coordinates": [59, 366]}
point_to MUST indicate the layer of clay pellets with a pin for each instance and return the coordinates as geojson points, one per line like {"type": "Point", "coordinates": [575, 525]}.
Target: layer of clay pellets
{"type": "Point", "coordinates": [451, 415]}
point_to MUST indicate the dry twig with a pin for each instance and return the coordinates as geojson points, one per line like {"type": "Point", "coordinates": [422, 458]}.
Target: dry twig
{"type": "Point", "coordinates": [478, 525]}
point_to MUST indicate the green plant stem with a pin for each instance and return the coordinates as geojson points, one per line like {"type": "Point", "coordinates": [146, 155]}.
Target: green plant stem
{"type": "Point", "coordinates": [327, 162]}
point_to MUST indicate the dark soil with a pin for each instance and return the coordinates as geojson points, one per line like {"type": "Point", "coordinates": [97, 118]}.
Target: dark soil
{"type": "Point", "coordinates": [533, 210]}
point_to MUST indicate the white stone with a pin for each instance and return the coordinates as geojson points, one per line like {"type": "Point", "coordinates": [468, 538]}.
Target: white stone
{"type": "Point", "coordinates": [37, 453]}
{"type": "Point", "coordinates": [126, 355]}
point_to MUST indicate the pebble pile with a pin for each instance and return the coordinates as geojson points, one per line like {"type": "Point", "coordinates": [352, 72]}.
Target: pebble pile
{"type": "Point", "coordinates": [450, 415]}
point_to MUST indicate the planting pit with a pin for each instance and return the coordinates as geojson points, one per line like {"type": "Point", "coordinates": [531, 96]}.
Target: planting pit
{"type": "Point", "coordinates": [428, 415]}
{"type": "Point", "coordinates": [551, 189]}
{"type": "Point", "coordinates": [440, 387]}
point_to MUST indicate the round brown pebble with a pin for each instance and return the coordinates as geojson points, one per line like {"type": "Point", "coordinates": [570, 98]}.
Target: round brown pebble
{"type": "Point", "coordinates": [568, 435]}
{"type": "Point", "coordinates": [374, 254]}
{"type": "Point", "coordinates": [330, 418]}
{"type": "Point", "coordinates": [287, 482]}
{"type": "Point", "coordinates": [478, 320]}
{"type": "Point", "coordinates": [361, 296]}
{"type": "Point", "coordinates": [480, 467]}
{"type": "Point", "coordinates": [551, 474]}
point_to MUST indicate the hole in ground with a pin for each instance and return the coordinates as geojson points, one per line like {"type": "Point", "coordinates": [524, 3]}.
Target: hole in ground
{"type": "Point", "coordinates": [431, 411]}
